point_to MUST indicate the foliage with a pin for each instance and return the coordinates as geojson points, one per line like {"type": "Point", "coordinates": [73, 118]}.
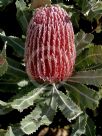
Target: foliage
{"type": "Point", "coordinates": [3, 61]}
{"type": "Point", "coordinates": [4, 3]}
{"type": "Point", "coordinates": [79, 126]}
{"type": "Point", "coordinates": [9, 132]}
{"type": "Point", "coordinates": [44, 100]}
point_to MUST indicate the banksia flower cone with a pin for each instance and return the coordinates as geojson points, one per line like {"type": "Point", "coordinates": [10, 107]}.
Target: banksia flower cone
{"type": "Point", "coordinates": [50, 51]}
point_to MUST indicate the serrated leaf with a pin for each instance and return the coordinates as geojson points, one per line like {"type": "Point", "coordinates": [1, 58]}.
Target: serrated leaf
{"type": "Point", "coordinates": [83, 96]}
{"type": "Point", "coordinates": [9, 132]}
{"type": "Point", "coordinates": [90, 77]}
{"type": "Point", "coordinates": [90, 58]}
{"type": "Point", "coordinates": [67, 106]}
{"type": "Point", "coordinates": [4, 108]}
{"type": "Point", "coordinates": [95, 11]}
{"type": "Point", "coordinates": [82, 40]}
{"type": "Point", "coordinates": [27, 100]}
{"type": "Point", "coordinates": [16, 43]}
{"type": "Point", "coordinates": [22, 15]}
{"type": "Point", "coordinates": [79, 127]}
{"type": "Point", "coordinates": [90, 128]}
{"type": "Point", "coordinates": [33, 121]}
{"type": "Point", "coordinates": [50, 106]}
{"type": "Point", "coordinates": [30, 123]}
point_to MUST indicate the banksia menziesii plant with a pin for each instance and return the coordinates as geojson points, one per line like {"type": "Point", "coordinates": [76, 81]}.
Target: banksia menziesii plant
{"type": "Point", "coordinates": [50, 51]}
{"type": "Point", "coordinates": [50, 59]}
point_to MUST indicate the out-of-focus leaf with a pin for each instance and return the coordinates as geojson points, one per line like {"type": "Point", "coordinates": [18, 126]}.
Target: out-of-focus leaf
{"type": "Point", "coordinates": [17, 130]}
{"type": "Point", "coordinates": [98, 28]}
{"type": "Point", "coordinates": [16, 43]}
{"type": "Point", "coordinates": [90, 58]}
{"type": "Point", "coordinates": [4, 108]}
{"type": "Point", "coordinates": [39, 3]}
{"type": "Point", "coordinates": [23, 14]}
{"type": "Point", "coordinates": [3, 66]}
{"type": "Point", "coordinates": [18, 74]}
{"type": "Point", "coordinates": [3, 61]}
{"type": "Point", "coordinates": [15, 63]}
{"type": "Point", "coordinates": [9, 132]}
{"type": "Point", "coordinates": [83, 5]}
{"type": "Point", "coordinates": [14, 75]}
{"type": "Point", "coordinates": [90, 128]}
{"type": "Point", "coordinates": [2, 132]}
{"type": "Point", "coordinates": [13, 87]}
{"type": "Point", "coordinates": [15, 72]}
{"type": "Point", "coordinates": [90, 77]}
{"type": "Point", "coordinates": [82, 40]}
{"type": "Point", "coordinates": [96, 10]}
{"type": "Point", "coordinates": [79, 127]}
{"type": "Point", "coordinates": [83, 96]}
{"type": "Point", "coordinates": [2, 103]}
{"type": "Point", "coordinates": [75, 19]}
{"type": "Point", "coordinates": [4, 3]}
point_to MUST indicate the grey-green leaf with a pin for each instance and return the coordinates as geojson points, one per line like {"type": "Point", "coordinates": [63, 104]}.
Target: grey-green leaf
{"type": "Point", "coordinates": [90, 77]}
{"type": "Point", "coordinates": [9, 132]}
{"type": "Point", "coordinates": [21, 14]}
{"type": "Point", "coordinates": [83, 96]}
{"type": "Point", "coordinates": [82, 40]}
{"type": "Point", "coordinates": [79, 127]}
{"type": "Point", "coordinates": [33, 121]}
{"type": "Point", "coordinates": [2, 103]}
{"type": "Point", "coordinates": [27, 100]}
{"type": "Point", "coordinates": [2, 132]}
{"type": "Point", "coordinates": [4, 108]}
{"type": "Point", "coordinates": [67, 106]}
{"type": "Point", "coordinates": [96, 10]}
{"type": "Point", "coordinates": [16, 43]}
{"type": "Point", "coordinates": [90, 128]}
{"type": "Point", "coordinates": [50, 106]}
{"type": "Point", "coordinates": [4, 3]}
{"type": "Point", "coordinates": [90, 58]}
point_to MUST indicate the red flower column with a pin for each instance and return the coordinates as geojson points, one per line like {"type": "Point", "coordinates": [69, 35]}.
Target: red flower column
{"type": "Point", "coordinates": [50, 51]}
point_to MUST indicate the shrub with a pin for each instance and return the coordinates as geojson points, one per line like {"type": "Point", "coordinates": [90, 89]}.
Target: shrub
{"type": "Point", "coordinates": [70, 87]}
